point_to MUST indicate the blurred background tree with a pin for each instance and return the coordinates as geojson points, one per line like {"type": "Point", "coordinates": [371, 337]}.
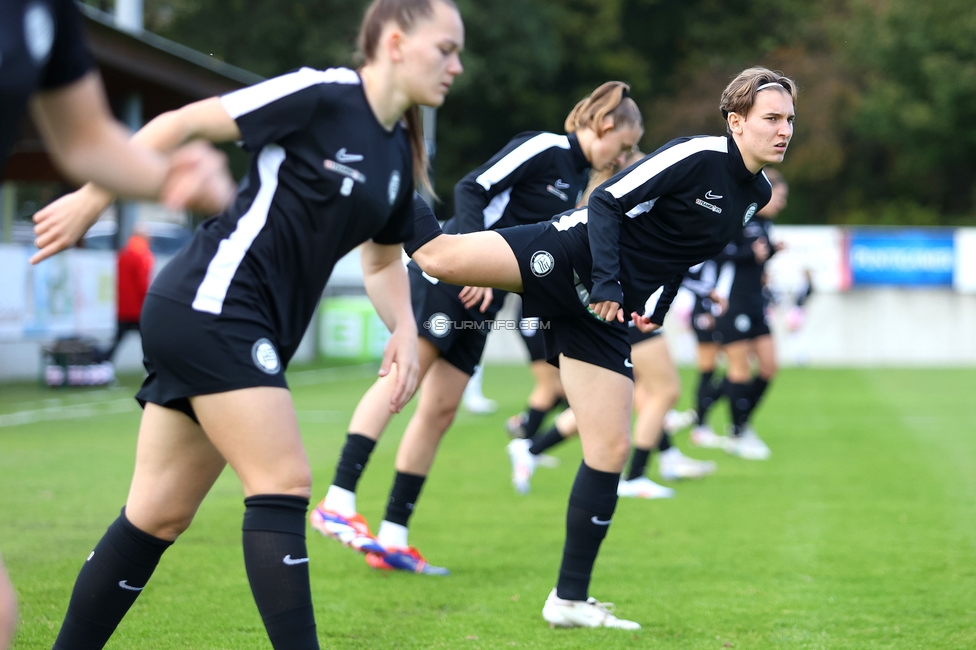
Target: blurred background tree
{"type": "Point", "coordinates": [886, 126]}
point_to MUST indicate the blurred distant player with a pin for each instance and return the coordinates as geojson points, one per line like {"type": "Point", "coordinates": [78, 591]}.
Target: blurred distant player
{"type": "Point", "coordinates": [744, 331]}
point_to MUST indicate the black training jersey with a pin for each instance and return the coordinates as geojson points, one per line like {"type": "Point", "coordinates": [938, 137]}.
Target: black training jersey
{"type": "Point", "coordinates": [325, 176]}
{"type": "Point", "coordinates": [747, 290]}
{"type": "Point", "coordinates": [535, 176]}
{"type": "Point", "coordinates": [41, 47]}
{"type": "Point", "coordinates": [675, 208]}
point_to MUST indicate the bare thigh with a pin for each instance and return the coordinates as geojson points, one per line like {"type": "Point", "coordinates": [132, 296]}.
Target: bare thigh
{"type": "Point", "coordinates": [256, 431]}
{"type": "Point", "coordinates": [766, 353]}
{"type": "Point", "coordinates": [547, 388]}
{"type": "Point", "coordinates": [656, 389]}
{"type": "Point", "coordinates": [479, 259]}
{"type": "Point", "coordinates": [440, 395]}
{"type": "Point", "coordinates": [176, 465]}
{"type": "Point", "coordinates": [373, 413]}
{"type": "Point", "coordinates": [602, 401]}
{"type": "Point", "coordinates": [739, 370]}
{"type": "Point", "coordinates": [706, 356]}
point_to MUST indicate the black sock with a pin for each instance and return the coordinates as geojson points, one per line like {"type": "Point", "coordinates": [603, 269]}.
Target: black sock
{"type": "Point", "coordinates": [276, 560]}
{"type": "Point", "coordinates": [403, 496]}
{"type": "Point", "coordinates": [352, 461]}
{"type": "Point", "coordinates": [638, 463]}
{"type": "Point", "coordinates": [425, 227]}
{"type": "Point", "coordinates": [549, 439]}
{"type": "Point", "coordinates": [665, 442]}
{"type": "Point", "coordinates": [757, 389]}
{"type": "Point", "coordinates": [110, 581]}
{"type": "Point", "coordinates": [704, 394]}
{"type": "Point", "coordinates": [591, 505]}
{"type": "Point", "coordinates": [533, 420]}
{"type": "Point", "coordinates": [739, 405]}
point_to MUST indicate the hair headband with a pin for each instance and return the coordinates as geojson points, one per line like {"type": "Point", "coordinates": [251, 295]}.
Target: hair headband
{"type": "Point", "coordinates": [771, 84]}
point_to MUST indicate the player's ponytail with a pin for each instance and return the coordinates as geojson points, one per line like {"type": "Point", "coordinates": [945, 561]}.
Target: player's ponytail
{"type": "Point", "coordinates": [612, 100]}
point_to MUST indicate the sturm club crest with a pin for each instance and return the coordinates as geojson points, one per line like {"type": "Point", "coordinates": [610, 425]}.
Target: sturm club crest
{"type": "Point", "coordinates": [542, 263]}
{"type": "Point", "coordinates": [265, 356]}
{"type": "Point", "coordinates": [743, 323]}
{"type": "Point", "coordinates": [750, 211]}
{"type": "Point", "coordinates": [38, 31]}
{"type": "Point", "coordinates": [394, 187]}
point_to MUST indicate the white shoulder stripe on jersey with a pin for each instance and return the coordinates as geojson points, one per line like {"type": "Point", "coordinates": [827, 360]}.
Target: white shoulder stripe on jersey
{"type": "Point", "coordinates": [517, 156]}
{"type": "Point", "coordinates": [245, 100]}
{"type": "Point", "coordinates": [230, 252]}
{"type": "Point", "coordinates": [496, 208]}
{"type": "Point", "coordinates": [651, 167]}
{"type": "Point", "coordinates": [572, 219]}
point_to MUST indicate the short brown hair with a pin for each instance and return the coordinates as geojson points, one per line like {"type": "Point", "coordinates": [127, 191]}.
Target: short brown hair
{"type": "Point", "coordinates": [740, 95]}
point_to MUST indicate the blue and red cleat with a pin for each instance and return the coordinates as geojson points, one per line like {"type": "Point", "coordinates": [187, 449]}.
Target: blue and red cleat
{"type": "Point", "coordinates": [404, 559]}
{"type": "Point", "coordinates": [352, 532]}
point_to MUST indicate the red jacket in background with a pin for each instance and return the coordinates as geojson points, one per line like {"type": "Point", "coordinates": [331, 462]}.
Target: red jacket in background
{"type": "Point", "coordinates": [135, 270]}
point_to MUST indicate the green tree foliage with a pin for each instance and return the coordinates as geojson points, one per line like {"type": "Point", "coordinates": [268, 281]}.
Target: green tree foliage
{"type": "Point", "coordinates": [886, 120]}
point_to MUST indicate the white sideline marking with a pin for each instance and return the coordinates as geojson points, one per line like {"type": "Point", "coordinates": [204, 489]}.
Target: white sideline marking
{"type": "Point", "coordinates": [57, 410]}
{"type": "Point", "coordinates": [68, 412]}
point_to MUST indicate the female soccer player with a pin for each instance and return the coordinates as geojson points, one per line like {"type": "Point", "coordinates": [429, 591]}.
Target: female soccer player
{"type": "Point", "coordinates": [743, 330]}
{"type": "Point", "coordinates": [624, 254]}
{"type": "Point", "coordinates": [536, 174]}
{"type": "Point", "coordinates": [656, 390]}
{"type": "Point", "coordinates": [334, 166]}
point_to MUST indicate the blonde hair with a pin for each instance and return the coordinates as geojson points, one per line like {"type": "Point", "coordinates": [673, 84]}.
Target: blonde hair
{"type": "Point", "coordinates": [406, 14]}
{"type": "Point", "coordinates": [612, 99]}
{"type": "Point", "coordinates": [740, 95]}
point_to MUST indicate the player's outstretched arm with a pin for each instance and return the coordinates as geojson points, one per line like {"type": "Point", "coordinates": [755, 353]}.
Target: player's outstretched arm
{"type": "Point", "coordinates": [195, 176]}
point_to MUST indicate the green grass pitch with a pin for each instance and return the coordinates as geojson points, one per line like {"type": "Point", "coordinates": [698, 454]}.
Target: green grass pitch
{"type": "Point", "coordinates": [860, 531]}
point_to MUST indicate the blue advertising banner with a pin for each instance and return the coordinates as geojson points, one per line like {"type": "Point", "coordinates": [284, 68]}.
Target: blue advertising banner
{"type": "Point", "coordinates": [901, 257]}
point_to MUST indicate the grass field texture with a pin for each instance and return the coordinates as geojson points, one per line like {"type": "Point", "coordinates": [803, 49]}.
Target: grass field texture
{"type": "Point", "coordinates": [860, 532]}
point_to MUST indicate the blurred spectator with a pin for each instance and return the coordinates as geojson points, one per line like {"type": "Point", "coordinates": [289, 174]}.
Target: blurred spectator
{"type": "Point", "coordinates": [134, 274]}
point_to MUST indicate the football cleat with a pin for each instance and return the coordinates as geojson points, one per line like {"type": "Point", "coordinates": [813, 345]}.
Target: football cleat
{"type": "Point", "coordinates": [583, 613]}
{"type": "Point", "coordinates": [523, 464]}
{"type": "Point", "coordinates": [643, 488]}
{"type": "Point", "coordinates": [705, 436]}
{"type": "Point", "coordinates": [352, 532]}
{"type": "Point", "coordinates": [674, 465]}
{"type": "Point", "coordinates": [404, 559]}
{"type": "Point", "coordinates": [749, 446]}
{"type": "Point", "coordinates": [515, 425]}
{"type": "Point", "coordinates": [678, 420]}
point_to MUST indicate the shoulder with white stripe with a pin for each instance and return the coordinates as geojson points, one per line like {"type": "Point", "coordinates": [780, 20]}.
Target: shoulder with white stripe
{"type": "Point", "coordinates": [246, 100]}
{"type": "Point", "coordinates": [520, 155]}
{"type": "Point", "coordinates": [664, 160]}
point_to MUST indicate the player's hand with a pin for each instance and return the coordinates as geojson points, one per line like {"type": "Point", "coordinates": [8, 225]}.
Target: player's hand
{"type": "Point", "coordinates": [471, 296]}
{"type": "Point", "coordinates": [198, 179]}
{"type": "Point", "coordinates": [760, 248]}
{"type": "Point", "coordinates": [779, 246]}
{"type": "Point", "coordinates": [607, 310]}
{"type": "Point", "coordinates": [401, 350]}
{"type": "Point", "coordinates": [61, 223]}
{"type": "Point", "coordinates": [643, 323]}
{"type": "Point", "coordinates": [719, 301]}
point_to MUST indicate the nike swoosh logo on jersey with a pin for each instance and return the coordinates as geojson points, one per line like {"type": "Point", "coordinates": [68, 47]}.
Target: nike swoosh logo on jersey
{"type": "Point", "coordinates": [344, 156]}
{"type": "Point", "coordinates": [561, 185]}
{"type": "Point", "coordinates": [600, 522]}
{"type": "Point", "coordinates": [291, 562]}
{"type": "Point", "coordinates": [628, 364]}
{"type": "Point", "coordinates": [122, 583]}
{"type": "Point", "coordinates": [552, 190]}
{"type": "Point", "coordinates": [711, 196]}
